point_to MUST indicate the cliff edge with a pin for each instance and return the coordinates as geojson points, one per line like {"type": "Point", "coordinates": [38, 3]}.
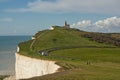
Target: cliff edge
{"type": "Point", "coordinates": [27, 67]}
{"type": "Point", "coordinates": [80, 54]}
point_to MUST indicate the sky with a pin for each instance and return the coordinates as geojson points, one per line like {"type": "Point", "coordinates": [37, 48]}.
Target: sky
{"type": "Point", "coordinates": [26, 17]}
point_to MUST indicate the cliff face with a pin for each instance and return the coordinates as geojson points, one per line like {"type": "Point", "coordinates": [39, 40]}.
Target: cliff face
{"type": "Point", "coordinates": [27, 67]}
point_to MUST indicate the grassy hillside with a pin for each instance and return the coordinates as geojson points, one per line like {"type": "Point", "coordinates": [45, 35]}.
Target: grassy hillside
{"type": "Point", "coordinates": [57, 38]}
{"type": "Point", "coordinates": [81, 55]}
{"type": "Point", "coordinates": [85, 64]}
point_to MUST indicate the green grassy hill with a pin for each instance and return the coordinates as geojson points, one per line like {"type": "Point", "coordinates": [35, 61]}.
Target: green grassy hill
{"type": "Point", "coordinates": [81, 55]}
{"type": "Point", "coordinates": [58, 38]}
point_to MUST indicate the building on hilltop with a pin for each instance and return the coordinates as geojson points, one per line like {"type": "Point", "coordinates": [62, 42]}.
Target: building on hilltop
{"type": "Point", "coordinates": [66, 25]}
{"type": "Point", "coordinates": [52, 28]}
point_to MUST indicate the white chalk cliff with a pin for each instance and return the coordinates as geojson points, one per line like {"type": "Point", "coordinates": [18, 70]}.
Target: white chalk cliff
{"type": "Point", "coordinates": [27, 67]}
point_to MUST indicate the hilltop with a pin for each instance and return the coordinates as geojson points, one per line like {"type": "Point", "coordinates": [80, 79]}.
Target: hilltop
{"type": "Point", "coordinates": [82, 55]}
{"type": "Point", "coordinates": [62, 38]}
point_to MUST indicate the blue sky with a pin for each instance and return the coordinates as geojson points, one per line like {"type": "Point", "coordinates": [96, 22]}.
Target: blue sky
{"type": "Point", "coordinates": [26, 17]}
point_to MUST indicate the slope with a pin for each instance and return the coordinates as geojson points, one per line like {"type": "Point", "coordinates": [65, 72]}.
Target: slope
{"type": "Point", "coordinates": [81, 55]}
{"type": "Point", "coordinates": [57, 38]}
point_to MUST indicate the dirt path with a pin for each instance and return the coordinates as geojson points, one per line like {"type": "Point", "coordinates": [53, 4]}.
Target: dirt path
{"type": "Point", "coordinates": [35, 40]}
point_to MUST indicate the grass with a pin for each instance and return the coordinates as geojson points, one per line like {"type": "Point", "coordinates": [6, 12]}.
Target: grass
{"type": "Point", "coordinates": [59, 37]}
{"type": "Point", "coordinates": [104, 64]}
{"type": "Point", "coordinates": [98, 63]}
{"type": "Point", "coordinates": [92, 54]}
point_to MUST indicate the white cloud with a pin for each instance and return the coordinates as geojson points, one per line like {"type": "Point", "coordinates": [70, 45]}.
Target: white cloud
{"type": "Point", "coordinates": [73, 25]}
{"type": "Point", "coordinates": [109, 22]}
{"type": "Point", "coordinates": [107, 25]}
{"type": "Point", "coordinates": [61, 6]}
{"type": "Point", "coordinates": [84, 23]}
{"type": "Point", "coordinates": [6, 19]}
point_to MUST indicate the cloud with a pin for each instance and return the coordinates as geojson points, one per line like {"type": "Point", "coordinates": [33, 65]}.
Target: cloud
{"type": "Point", "coordinates": [81, 24]}
{"type": "Point", "coordinates": [109, 22]}
{"type": "Point", "coordinates": [6, 19]}
{"type": "Point", "coordinates": [84, 23]}
{"type": "Point", "coordinates": [62, 6]}
{"type": "Point", "coordinates": [107, 25]}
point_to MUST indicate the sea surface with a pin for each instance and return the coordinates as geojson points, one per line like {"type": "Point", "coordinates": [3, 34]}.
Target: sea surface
{"type": "Point", "coordinates": [8, 47]}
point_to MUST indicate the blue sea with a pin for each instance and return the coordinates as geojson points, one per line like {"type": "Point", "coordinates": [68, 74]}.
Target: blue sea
{"type": "Point", "coordinates": [8, 47]}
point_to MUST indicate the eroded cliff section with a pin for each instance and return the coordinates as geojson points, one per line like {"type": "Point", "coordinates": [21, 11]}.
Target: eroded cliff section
{"type": "Point", "coordinates": [27, 67]}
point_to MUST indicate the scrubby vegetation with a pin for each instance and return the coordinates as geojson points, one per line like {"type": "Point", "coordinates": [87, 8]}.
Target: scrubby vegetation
{"type": "Point", "coordinates": [81, 55]}
{"type": "Point", "coordinates": [104, 38]}
{"type": "Point", "coordinates": [3, 76]}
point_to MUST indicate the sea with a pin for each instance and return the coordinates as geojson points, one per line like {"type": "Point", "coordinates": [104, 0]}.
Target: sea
{"type": "Point", "coordinates": [8, 47]}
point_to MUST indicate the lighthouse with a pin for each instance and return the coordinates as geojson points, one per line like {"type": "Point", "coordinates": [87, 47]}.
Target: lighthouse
{"type": "Point", "coordinates": [66, 25]}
